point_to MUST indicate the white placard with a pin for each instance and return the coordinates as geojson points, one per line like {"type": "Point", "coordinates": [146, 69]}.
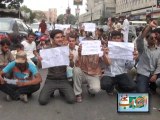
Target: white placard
{"type": "Point", "coordinates": [58, 26]}
{"type": "Point", "coordinates": [91, 27]}
{"type": "Point", "coordinates": [121, 50]}
{"type": "Point", "coordinates": [81, 38]}
{"type": "Point", "coordinates": [55, 57]}
{"type": "Point", "coordinates": [91, 47]}
{"type": "Point", "coordinates": [62, 27]}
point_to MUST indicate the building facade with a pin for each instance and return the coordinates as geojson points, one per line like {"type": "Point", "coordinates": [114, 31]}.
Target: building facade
{"type": "Point", "coordinates": [97, 9]}
{"type": "Point", "coordinates": [137, 9]}
{"type": "Point", "coordinates": [51, 15]}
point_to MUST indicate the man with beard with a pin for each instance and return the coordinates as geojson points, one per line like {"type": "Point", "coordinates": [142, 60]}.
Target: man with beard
{"type": "Point", "coordinates": [5, 54]}
{"type": "Point", "coordinates": [25, 78]}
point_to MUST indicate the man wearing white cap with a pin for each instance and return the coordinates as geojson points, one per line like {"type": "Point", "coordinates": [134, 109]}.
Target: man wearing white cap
{"type": "Point", "coordinates": [25, 78]}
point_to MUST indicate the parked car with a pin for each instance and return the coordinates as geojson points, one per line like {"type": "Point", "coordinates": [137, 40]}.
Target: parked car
{"type": "Point", "coordinates": [15, 29]}
{"type": "Point", "coordinates": [34, 27]}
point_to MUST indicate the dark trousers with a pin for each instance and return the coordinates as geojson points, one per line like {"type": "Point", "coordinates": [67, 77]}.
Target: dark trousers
{"type": "Point", "coordinates": [143, 83]}
{"type": "Point", "coordinates": [123, 82]}
{"type": "Point", "coordinates": [50, 86]}
{"type": "Point", "coordinates": [15, 91]}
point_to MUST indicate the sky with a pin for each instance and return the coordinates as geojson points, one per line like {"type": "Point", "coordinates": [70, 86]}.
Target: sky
{"type": "Point", "coordinates": [61, 5]}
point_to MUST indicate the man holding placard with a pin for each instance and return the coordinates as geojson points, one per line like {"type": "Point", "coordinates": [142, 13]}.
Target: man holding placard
{"type": "Point", "coordinates": [56, 60]}
{"type": "Point", "coordinates": [88, 67]}
{"type": "Point", "coordinates": [122, 59]}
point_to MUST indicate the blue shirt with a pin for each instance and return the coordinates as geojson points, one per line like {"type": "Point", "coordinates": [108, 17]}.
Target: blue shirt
{"type": "Point", "coordinates": [17, 74]}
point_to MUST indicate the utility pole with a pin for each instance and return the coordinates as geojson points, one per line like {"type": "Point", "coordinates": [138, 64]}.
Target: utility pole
{"type": "Point", "coordinates": [91, 14]}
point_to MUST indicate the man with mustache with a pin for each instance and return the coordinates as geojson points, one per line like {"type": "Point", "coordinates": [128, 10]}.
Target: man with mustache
{"type": "Point", "coordinates": [25, 78]}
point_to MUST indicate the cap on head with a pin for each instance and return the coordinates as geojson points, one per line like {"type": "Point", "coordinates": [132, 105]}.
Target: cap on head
{"type": "Point", "coordinates": [21, 57]}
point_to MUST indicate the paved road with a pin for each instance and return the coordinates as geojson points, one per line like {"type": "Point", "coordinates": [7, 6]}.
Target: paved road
{"type": "Point", "coordinates": [102, 107]}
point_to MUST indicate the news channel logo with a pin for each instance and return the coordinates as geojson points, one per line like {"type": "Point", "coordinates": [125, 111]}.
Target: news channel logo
{"type": "Point", "coordinates": [132, 102]}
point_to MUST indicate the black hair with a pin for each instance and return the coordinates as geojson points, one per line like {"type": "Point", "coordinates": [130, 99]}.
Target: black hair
{"type": "Point", "coordinates": [149, 34]}
{"type": "Point", "coordinates": [5, 42]}
{"type": "Point", "coordinates": [157, 30]}
{"type": "Point", "coordinates": [19, 46]}
{"type": "Point", "coordinates": [116, 33]}
{"type": "Point", "coordinates": [55, 32]}
{"type": "Point", "coordinates": [72, 35]}
{"type": "Point", "coordinates": [31, 33]}
{"type": "Point", "coordinates": [101, 30]}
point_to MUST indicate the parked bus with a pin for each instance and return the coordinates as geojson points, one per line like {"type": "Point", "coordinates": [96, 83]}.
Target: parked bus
{"type": "Point", "coordinates": [138, 23]}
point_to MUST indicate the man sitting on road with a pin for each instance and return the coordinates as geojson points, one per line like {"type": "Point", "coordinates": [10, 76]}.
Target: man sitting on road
{"type": "Point", "coordinates": [5, 53]}
{"type": "Point", "coordinates": [116, 73]}
{"type": "Point", "coordinates": [25, 78]}
{"type": "Point", "coordinates": [88, 69]}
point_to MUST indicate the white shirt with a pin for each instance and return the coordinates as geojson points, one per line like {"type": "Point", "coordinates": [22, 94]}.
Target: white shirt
{"type": "Point", "coordinates": [29, 48]}
{"type": "Point", "coordinates": [75, 53]}
{"type": "Point", "coordinates": [125, 30]}
{"type": "Point", "coordinates": [118, 67]}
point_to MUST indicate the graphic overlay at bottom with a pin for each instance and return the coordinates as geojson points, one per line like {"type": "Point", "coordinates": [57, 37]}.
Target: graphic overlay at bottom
{"type": "Point", "coordinates": [132, 102]}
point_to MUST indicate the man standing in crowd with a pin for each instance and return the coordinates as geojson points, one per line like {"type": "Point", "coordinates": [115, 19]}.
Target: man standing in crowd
{"type": "Point", "coordinates": [30, 48]}
{"type": "Point", "coordinates": [42, 27]}
{"type": "Point", "coordinates": [24, 81]}
{"type": "Point", "coordinates": [57, 76]}
{"type": "Point", "coordinates": [125, 29]}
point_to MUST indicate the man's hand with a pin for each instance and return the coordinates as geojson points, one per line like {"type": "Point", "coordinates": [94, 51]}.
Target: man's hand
{"type": "Point", "coordinates": [39, 58]}
{"type": "Point", "coordinates": [153, 78]}
{"type": "Point", "coordinates": [71, 56]}
{"type": "Point", "coordinates": [2, 81]}
{"type": "Point", "coordinates": [105, 50]}
{"type": "Point", "coordinates": [20, 84]}
{"type": "Point", "coordinates": [135, 54]}
{"type": "Point", "coordinates": [153, 24]}
{"type": "Point", "coordinates": [79, 50]}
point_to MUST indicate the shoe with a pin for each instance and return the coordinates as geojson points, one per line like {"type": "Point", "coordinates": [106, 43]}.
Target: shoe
{"type": "Point", "coordinates": [110, 93]}
{"type": "Point", "coordinates": [79, 98]}
{"type": "Point", "coordinates": [24, 98]}
{"type": "Point", "coordinates": [8, 98]}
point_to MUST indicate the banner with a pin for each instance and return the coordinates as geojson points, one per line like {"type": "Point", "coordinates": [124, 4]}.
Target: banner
{"type": "Point", "coordinates": [77, 2]}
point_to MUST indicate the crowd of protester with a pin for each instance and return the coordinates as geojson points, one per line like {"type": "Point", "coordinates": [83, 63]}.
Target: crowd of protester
{"type": "Point", "coordinates": [97, 72]}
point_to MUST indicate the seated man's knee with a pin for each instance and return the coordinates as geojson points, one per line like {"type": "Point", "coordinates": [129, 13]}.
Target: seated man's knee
{"type": "Point", "coordinates": [42, 101]}
{"type": "Point", "coordinates": [76, 70]}
{"type": "Point", "coordinates": [158, 82]}
{"type": "Point", "coordinates": [94, 90]}
{"type": "Point", "coordinates": [70, 100]}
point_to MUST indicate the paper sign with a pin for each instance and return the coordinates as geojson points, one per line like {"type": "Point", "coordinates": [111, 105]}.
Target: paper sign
{"type": "Point", "coordinates": [91, 47]}
{"type": "Point", "coordinates": [55, 57]}
{"type": "Point", "coordinates": [91, 27]}
{"type": "Point", "coordinates": [121, 50]}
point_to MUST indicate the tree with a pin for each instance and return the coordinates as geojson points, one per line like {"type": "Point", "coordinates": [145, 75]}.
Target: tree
{"type": "Point", "coordinates": [66, 19]}
{"type": "Point", "coordinates": [39, 15]}
{"type": "Point", "coordinates": [11, 4]}
{"type": "Point", "coordinates": [27, 14]}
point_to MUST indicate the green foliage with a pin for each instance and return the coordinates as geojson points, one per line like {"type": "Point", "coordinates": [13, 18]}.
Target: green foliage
{"type": "Point", "coordinates": [66, 19]}
{"type": "Point", "coordinates": [26, 10]}
{"type": "Point", "coordinates": [12, 4]}
{"type": "Point", "coordinates": [39, 15]}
